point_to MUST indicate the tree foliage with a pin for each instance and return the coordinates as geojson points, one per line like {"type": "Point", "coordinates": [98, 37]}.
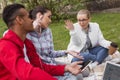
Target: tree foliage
{"type": "Point", "coordinates": [60, 8]}
{"type": "Point", "coordinates": [97, 5]}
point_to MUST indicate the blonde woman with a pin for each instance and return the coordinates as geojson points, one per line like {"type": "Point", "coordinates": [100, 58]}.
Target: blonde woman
{"type": "Point", "coordinates": [87, 39]}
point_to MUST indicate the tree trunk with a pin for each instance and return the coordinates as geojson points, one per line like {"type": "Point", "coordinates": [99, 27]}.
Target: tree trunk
{"type": "Point", "coordinates": [3, 4]}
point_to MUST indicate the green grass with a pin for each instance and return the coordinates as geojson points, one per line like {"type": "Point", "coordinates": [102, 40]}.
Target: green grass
{"type": "Point", "coordinates": [2, 27]}
{"type": "Point", "coordinates": [60, 35]}
{"type": "Point", "coordinates": [109, 24]}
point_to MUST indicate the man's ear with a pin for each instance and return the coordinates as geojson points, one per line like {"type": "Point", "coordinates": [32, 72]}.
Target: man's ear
{"type": "Point", "coordinates": [19, 20]}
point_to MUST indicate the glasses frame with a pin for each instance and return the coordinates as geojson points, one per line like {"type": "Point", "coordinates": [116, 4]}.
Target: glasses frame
{"type": "Point", "coordinates": [82, 20]}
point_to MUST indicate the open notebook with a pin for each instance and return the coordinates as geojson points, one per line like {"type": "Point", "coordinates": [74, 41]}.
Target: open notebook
{"type": "Point", "coordinates": [111, 71]}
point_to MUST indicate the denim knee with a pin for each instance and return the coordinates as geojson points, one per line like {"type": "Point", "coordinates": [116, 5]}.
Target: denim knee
{"type": "Point", "coordinates": [75, 59]}
{"type": "Point", "coordinates": [102, 54]}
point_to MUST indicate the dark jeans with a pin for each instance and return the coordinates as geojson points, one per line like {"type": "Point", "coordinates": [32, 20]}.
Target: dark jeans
{"type": "Point", "coordinates": [94, 54]}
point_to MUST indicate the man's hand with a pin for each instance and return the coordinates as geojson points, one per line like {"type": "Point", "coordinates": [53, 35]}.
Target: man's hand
{"type": "Point", "coordinates": [75, 54]}
{"type": "Point", "coordinates": [74, 67]}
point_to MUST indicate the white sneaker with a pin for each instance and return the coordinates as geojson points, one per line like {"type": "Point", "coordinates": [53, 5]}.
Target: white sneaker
{"type": "Point", "coordinates": [93, 65]}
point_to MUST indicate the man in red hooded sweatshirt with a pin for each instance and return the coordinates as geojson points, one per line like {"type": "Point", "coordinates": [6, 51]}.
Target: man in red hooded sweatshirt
{"type": "Point", "coordinates": [13, 63]}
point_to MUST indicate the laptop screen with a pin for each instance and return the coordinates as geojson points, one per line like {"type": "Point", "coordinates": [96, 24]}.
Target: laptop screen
{"type": "Point", "coordinates": [112, 71]}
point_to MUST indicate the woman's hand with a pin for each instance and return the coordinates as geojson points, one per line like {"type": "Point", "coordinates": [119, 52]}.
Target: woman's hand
{"type": "Point", "coordinates": [69, 25]}
{"type": "Point", "coordinates": [75, 54]}
{"type": "Point", "coordinates": [38, 22]}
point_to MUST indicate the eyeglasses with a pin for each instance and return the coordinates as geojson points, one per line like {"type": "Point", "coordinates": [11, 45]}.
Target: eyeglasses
{"type": "Point", "coordinates": [82, 20]}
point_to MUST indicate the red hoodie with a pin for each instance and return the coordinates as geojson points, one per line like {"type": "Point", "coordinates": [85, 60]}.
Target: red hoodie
{"type": "Point", "coordinates": [14, 67]}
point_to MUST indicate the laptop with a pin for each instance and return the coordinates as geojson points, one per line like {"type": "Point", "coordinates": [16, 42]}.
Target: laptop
{"type": "Point", "coordinates": [111, 71]}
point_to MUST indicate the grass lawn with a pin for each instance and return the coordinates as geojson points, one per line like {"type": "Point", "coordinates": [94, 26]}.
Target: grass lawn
{"type": "Point", "coordinates": [2, 27]}
{"type": "Point", "coordinates": [109, 24]}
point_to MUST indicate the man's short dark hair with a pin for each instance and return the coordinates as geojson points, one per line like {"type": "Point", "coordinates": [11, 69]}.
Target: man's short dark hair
{"type": "Point", "coordinates": [10, 12]}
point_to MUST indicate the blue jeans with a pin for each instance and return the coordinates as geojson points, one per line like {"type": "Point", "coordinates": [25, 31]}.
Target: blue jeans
{"type": "Point", "coordinates": [94, 54]}
{"type": "Point", "coordinates": [69, 76]}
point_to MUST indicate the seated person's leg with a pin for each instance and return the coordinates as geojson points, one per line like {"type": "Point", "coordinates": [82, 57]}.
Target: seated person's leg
{"type": "Point", "coordinates": [87, 56]}
{"type": "Point", "coordinates": [94, 50]}
{"type": "Point", "coordinates": [101, 55]}
{"type": "Point", "coordinates": [100, 52]}
{"type": "Point", "coordinates": [69, 76]}
{"type": "Point", "coordinates": [76, 59]}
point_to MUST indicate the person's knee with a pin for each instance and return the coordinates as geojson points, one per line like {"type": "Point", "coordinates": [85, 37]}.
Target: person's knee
{"type": "Point", "coordinates": [73, 77]}
{"type": "Point", "coordinates": [75, 59]}
{"type": "Point", "coordinates": [103, 49]}
{"type": "Point", "coordinates": [79, 77]}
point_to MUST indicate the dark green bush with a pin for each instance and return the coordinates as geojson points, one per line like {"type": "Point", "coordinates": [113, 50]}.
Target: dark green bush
{"type": "Point", "coordinates": [61, 9]}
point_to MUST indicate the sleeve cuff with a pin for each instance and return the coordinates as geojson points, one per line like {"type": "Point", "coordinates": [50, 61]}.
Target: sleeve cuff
{"type": "Point", "coordinates": [72, 32]}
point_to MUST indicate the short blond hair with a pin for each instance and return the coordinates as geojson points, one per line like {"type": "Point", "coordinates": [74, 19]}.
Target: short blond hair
{"type": "Point", "coordinates": [84, 11]}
